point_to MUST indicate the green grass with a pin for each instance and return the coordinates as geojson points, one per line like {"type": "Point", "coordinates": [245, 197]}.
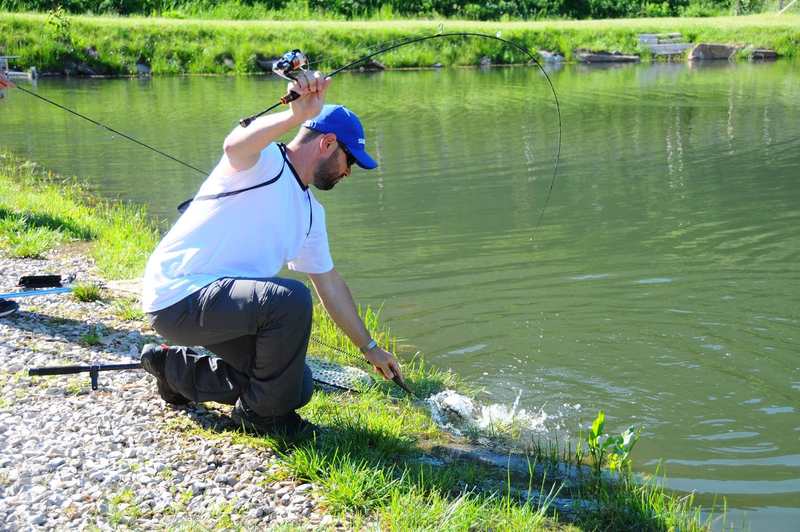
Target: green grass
{"type": "Point", "coordinates": [23, 239]}
{"type": "Point", "coordinates": [91, 337]}
{"type": "Point", "coordinates": [122, 507]}
{"type": "Point", "coordinates": [128, 309]}
{"type": "Point", "coordinates": [201, 46]}
{"type": "Point", "coordinates": [87, 292]}
{"type": "Point", "coordinates": [39, 211]}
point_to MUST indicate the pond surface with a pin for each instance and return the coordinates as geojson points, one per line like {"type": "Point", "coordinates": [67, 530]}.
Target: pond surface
{"type": "Point", "coordinates": [662, 286]}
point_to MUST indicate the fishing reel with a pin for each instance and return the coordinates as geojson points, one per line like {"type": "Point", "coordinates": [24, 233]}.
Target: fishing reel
{"type": "Point", "coordinates": [289, 63]}
{"type": "Point", "coordinates": [285, 67]}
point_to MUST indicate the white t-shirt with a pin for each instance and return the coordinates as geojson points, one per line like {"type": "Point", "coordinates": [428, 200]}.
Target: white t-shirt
{"type": "Point", "coordinates": [252, 234]}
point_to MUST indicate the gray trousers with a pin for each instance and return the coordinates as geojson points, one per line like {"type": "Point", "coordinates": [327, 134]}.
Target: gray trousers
{"type": "Point", "coordinates": [259, 329]}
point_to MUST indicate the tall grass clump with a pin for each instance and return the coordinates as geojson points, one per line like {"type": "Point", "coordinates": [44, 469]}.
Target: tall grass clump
{"type": "Point", "coordinates": [87, 292]}
{"type": "Point", "coordinates": [39, 211]}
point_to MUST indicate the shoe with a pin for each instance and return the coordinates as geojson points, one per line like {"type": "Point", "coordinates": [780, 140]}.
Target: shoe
{"type": "Point", "coordinates": [8, 307]}
{"type": "Point", "coordinates": [290, 425]}
{"type": "Point", "coordinates": [154, 358]}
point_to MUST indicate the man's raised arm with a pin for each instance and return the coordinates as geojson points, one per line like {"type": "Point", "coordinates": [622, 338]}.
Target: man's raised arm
{"type": "Point", "coordinates": [243, 145]}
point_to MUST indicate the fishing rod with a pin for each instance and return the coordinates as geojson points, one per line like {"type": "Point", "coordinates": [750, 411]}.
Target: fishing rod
{"type": "Point", "coordinates": [33, 285]}
{"type": "Point", "coordinates": [40, 285]}
{"type": "Point", "coordinates": [94, 373]}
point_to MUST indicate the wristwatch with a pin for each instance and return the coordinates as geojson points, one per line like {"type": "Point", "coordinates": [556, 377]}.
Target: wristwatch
{"type": "Point", "coordinates": [372, 344]}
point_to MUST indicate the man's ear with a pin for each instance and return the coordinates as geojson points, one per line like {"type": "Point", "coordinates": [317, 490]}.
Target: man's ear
{"type": "Point", "coordinates": [327, 144]}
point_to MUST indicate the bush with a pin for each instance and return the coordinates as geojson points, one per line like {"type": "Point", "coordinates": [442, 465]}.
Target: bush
{"type": "Point", "coordinates": [702, 9]}
{"type": "Point", "coordinates": [656, 10]}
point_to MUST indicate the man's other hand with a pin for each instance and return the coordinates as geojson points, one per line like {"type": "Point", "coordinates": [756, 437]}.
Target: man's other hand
{"type": "Point", "coordinates": [384, 362]}
{"type": "Point", "coordinates": [311, 86]}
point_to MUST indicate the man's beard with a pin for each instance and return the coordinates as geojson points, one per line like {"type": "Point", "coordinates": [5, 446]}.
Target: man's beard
{"type": "Point", "coordinates": [326, 175]}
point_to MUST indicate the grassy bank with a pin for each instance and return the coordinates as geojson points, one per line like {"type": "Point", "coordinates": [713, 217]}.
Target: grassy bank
{"type": "Point", "coordinates": [371, 462]}
{"type": "Point", "coordinates": [39, 210]}
{"type": "Point", "coordinates": [112, 46]}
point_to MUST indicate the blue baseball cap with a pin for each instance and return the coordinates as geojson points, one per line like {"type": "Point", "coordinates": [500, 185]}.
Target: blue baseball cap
{"type": "Point", "coordinates": [344, 123]}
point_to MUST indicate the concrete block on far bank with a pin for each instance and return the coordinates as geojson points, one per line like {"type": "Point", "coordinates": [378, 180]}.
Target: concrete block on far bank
{"type": "Point", "coordinates": [371, 65]}
{"type": "Point", "coordinates": [588, 56]}
{"type": "Point", "coordinates": [142, 69]}
{"type": "Point", "coordinates": [551, 57]}
{"type": "Point", "coordinates": [763, 54]}
{"type": "Point", "coordinates": [712, 52]}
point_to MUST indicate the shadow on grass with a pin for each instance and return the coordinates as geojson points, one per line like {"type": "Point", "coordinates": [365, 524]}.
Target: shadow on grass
{"type": "Point", "coordinates": [32, 221]}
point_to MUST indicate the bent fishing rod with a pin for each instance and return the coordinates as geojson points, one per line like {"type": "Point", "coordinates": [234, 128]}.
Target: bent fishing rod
{"type": "Point", "coordinates": [295, 60]}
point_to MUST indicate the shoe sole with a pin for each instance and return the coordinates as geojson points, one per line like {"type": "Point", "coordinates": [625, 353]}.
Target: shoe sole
{"type": "Point", "coordinates": [7, 308]}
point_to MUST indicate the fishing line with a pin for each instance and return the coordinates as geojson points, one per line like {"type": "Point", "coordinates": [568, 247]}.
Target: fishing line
{"type": "Point", "coordinates": [121, 134]}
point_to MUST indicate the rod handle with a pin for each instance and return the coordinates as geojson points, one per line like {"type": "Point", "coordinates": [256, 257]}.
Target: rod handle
{"type": "Point", "coordinates": [398, 381]}
{"type": "Point", "coordinates": [285, 99]}
{"type": "Point", "coordinates": [289, 97]}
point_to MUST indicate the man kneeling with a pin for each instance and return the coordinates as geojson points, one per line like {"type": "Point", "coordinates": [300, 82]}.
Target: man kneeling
{"type": "Point", "coordinates": [212, 279]}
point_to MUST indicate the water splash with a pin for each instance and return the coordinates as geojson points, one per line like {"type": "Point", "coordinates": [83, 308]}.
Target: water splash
{"type": "Point", "coordinates": [460, 414]}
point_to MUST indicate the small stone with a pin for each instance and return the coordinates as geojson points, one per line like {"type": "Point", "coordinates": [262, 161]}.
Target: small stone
{"type": "Point", "coordinates": [256, 513]}
{"type": "Point", "coordinates": [302, 488]}
{"type": "Point", "coordinates": [222, 478]}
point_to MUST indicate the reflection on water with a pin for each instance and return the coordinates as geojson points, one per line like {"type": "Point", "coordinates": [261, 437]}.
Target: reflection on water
{"type": "Point", "coordinates": [662, 286]}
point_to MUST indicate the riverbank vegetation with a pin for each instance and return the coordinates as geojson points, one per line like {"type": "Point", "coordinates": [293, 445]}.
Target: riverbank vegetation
{"type": "Point", "coordinates": [375, 462]}
{"type": "Point", "coordinates": [39, 211]}
{"type": "Point", "coordinates": [85, 45]}
{"type": "Point", "coordinates": [392, 9]}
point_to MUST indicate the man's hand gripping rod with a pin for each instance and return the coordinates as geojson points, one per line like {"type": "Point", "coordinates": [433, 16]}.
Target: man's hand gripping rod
{"type": "Point", "coordinates": [283, 67]}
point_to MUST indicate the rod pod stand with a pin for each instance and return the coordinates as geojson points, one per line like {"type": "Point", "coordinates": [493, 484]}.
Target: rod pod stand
{"type": "Point", "coordinates": [93, 370]}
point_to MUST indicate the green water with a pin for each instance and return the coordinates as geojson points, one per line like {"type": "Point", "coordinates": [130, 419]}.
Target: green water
{"type": "Point", "coordinates": [661, 286]}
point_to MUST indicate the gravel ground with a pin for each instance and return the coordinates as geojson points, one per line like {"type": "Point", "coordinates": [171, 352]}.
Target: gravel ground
{"type": "Point", "coordinates": [118, 457]}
